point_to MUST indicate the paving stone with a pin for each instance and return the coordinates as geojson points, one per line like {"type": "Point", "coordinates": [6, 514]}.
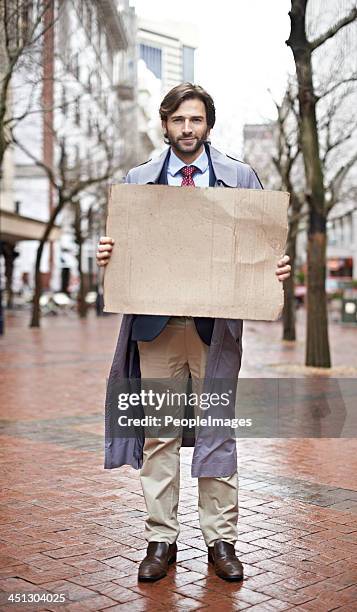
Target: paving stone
{"type": "Point", "coordinates": [71, 591]}
{"type": "Point", "coordinates": [68, 526]}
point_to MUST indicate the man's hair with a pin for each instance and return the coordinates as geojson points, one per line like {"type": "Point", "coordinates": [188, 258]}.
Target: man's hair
{"type": "Point", "coordinates": [187, 91]}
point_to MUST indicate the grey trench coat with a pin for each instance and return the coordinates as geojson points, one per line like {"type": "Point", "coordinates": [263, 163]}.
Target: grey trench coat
{"type": "Point", "coordinates": [213, 456]}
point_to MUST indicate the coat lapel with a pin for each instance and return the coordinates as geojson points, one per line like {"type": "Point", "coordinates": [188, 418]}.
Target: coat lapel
{"type": "Point", "coordinates": [223, 167]}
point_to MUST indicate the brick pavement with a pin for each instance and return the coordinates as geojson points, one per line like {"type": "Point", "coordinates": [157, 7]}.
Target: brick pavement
{"type": "Point", "coordinates": [69, 527]}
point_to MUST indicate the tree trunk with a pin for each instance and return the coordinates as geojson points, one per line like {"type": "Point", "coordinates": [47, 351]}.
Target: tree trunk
{"type": "Point", "coordinates": [289, 311]}
{"type": "Point", "coordinates": [82, 305]}
{"type": "Point", "coordinates": [4, 102]}
{"type": "Point", "coordinates": [81, 299]}
{"type": "Point", "coordinates": [317, 343]}
{"type": "Point", "coordinates": [36, 311]}
{"type": "Point", "coordinates": [9, 252]}
{"type": "Point", "coordinates": [317, 346]}
{"type": "Point", "coordinates": [289, 328]}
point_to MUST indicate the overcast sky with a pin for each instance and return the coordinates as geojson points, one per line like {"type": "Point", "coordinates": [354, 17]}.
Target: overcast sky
{"type": "Point", "coordinates": [241, 55]}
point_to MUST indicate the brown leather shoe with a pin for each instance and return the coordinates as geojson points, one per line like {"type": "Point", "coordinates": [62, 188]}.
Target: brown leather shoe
{"type": "Point", "coordinates": [158, 557]}
{"type": "Point", "coordinates": [226, 564]}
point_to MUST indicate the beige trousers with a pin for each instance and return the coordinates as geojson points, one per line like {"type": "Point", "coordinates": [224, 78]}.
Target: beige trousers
{"type": "Point", "coordinates": [176, 352]}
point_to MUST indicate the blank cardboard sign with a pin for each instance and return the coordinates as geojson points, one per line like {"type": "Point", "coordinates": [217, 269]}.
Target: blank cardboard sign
{"type": "Point", "coordinates": [205, 252]}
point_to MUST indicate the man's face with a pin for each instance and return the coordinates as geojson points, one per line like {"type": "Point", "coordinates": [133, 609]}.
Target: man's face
{"type": "Point", "coordinates": [186, 128]}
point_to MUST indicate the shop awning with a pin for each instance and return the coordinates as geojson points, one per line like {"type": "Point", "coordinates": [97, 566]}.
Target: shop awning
{"type": "Point", "coordinates": [15, 227]}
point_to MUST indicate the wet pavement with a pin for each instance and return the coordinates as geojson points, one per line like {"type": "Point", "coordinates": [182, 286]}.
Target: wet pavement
{"type": "Point", "coordinates": [71, 530]}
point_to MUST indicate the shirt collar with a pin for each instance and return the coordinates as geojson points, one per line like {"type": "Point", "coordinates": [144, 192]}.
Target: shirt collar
{"type": "Point", "coordinates": [176, 164]}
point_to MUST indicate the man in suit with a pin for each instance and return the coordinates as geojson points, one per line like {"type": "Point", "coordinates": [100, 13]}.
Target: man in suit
{"type": "Point", "coordinates": [176, 347]}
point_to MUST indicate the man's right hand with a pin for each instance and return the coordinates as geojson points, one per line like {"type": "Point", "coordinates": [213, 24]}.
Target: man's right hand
{"type": "Point", "coordinates": [104, 250]}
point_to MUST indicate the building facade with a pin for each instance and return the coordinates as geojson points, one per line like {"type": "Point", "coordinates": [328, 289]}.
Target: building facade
{"type": "Point", "coordinates": [259, 143]}
{"type": "Point", "coordinates": [166, 58]}
{"type": "Point", "coordinates": [168, 49]}
{"type": "Point", "coordinates": [82, 92]}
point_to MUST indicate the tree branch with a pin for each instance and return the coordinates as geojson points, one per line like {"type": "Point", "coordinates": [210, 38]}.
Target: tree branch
{"type": "Point", "coordinates": [320, 40]}
{"type": "Point", "coordinates": [335, 86]}
{"type": "Point", "coordinates": [336, 182]}
{"type": "Point", "coordinates": [337, 143]}
{"type": "Point", "coordinates": [37, 162]}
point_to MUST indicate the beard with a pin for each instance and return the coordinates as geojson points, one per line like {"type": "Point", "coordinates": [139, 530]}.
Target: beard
{"type": "Point", "coordinates": [179, 145]}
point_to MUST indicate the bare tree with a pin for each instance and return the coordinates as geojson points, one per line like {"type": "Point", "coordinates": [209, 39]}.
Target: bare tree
{"type": "Point", "coordinates": [317, 342]}
{"type": "Point", "coordinates": [89, 224]}
{"type": "Point", "coordinates": [288, 151]}
{"type": "Point", "coordinates": [23, 27]}
{"type": "Point", "coordinates": [79, 238]}
{"type": "Point", "coordinates": [336, 130]}
{"type": "Point", "coordinates": [70, 181]}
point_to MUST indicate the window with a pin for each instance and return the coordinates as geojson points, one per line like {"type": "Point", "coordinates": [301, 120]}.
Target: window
{"type": "Point", "coordinates": [188, 64]}
{"type": "Point", "coordinates": [80, 7]}
{"type": "Point", "coordinates": [76, 154]}
{"type": "Point", "coordinates": [94, 83]}
{"type": "Point", "coordinates": [89, 164]}
{"type": "Point", "coordinates": [152, 58]}
{"type": "Point", "coordinates": [105, 104]}
{"type": "Point", "coordinates": [77, 112]}
{"type": "Point", "coordinates": [75, 65]}
{"type": "Point", "coordinates": [100, 37]}
{"type": "Point", "coordinates": [89, 126]}
{"type": "Point", "coordinates": [88, 20]}
{"type": "Point", "coordinates": [64, 101]}
{"type": "Point", "coordinates": [25, 19]}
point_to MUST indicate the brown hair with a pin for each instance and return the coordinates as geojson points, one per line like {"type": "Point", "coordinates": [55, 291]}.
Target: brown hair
{"type": "Point", "coordinates": [187, 91]}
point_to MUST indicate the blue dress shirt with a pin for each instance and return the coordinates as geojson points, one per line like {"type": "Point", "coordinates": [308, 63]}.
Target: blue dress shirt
{"type": "Point", "coordinates": [201, 177]}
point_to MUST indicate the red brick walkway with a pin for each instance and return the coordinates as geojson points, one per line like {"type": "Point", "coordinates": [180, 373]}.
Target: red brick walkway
{"type": "Point", "coordinates": [70, 528]}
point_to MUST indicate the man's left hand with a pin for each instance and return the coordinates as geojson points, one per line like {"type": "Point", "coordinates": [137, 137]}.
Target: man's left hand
{"type": "Point", "coordinates": [283, 270]}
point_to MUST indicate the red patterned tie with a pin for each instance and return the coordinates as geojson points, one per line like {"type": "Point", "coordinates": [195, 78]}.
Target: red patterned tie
{"type": "Point", "coordinates": [187, 173]}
